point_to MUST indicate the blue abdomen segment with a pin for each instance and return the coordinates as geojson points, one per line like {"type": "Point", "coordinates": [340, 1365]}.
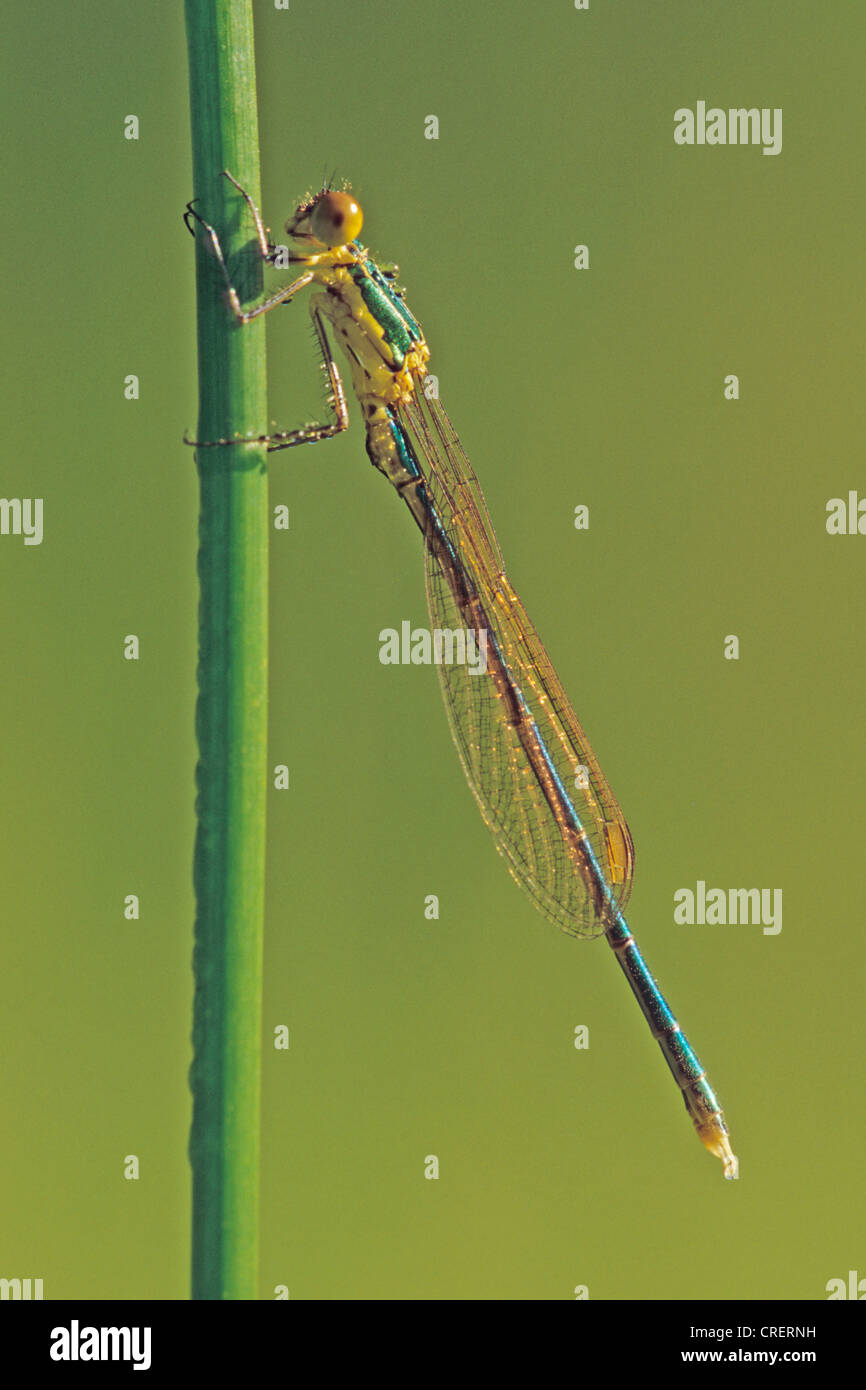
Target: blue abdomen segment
{"type": "Point", "coordinates": [698, 1095]}
{"type": "Point", "coordinates": [406, 454]}
{"type": "Point", "coordinates": [699, 1098]}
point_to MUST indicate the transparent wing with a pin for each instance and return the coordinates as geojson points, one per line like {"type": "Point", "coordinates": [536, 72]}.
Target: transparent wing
{"type": "Point", "coordinates": [519, 782]}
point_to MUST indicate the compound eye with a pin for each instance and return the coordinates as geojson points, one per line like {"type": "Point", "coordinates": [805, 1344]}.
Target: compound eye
{"type": "Point", "coordinates": [336, 219]}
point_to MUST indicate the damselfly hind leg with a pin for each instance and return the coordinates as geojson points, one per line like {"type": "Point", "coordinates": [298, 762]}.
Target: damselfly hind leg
{"type": "Point", "coordinates": [305, 434]}
{"type": "Point", "coordinates": [311, 434]}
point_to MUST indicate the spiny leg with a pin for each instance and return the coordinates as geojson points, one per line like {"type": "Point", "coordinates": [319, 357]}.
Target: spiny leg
{"type": "Point", "coordinates": [311, 434]}
{"type": "Point", "coordinates": [281, 296]}
{"type": "Point", "coordinates": [306, 434]}
{"type": "Point", "coordinates": [212, 237]}
{"type": "Point", "coordinates": [265, 245]}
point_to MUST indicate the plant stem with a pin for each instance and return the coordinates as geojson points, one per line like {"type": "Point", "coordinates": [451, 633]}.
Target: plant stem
{"type": "Point", "coordinates": [231, 715]}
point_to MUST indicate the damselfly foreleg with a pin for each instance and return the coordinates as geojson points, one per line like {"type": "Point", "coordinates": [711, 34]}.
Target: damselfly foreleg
{"type": "Point", "coordinates": [282, 296]}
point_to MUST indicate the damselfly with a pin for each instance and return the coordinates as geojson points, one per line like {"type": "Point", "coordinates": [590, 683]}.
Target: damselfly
{"type": "Point", "coordinates": [526, 757]}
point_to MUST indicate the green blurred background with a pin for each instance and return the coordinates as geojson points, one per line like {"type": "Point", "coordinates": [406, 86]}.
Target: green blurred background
{"type": "Point", "coordinates": [605, 387]}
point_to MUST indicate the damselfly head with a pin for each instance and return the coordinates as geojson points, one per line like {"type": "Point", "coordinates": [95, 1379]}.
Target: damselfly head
{"type": "Point", "coordinates": [330, 219]}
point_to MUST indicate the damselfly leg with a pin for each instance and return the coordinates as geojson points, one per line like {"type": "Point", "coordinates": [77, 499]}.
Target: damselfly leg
{"type": "Point", "coordinates": [336, 399]}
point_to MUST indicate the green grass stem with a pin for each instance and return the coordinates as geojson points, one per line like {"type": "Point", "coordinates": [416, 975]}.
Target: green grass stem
{"type": "Point", "coordinates": [231, 715]}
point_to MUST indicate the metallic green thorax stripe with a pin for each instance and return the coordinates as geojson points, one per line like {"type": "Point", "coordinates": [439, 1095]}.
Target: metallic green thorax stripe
{"type": "Point", "coordinates": [386, 307]}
